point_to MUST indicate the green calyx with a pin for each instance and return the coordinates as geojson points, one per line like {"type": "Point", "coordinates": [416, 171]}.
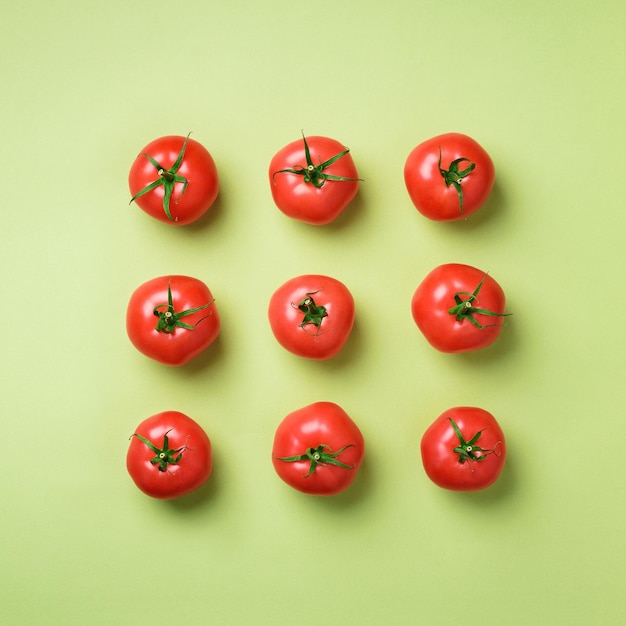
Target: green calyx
{"type": "Point", "coordinates": [169, 319]}
{"type": "Point", "coordinates": [313, 313]}
{"type": "Point", "coordinates": [167, 178]}
{"type": "Point", "coordinates": [468, 450]}
{"type": "Point", "coordinates": [164, 456]}
{"type": "Point", "coordinates": [315, 174]}
{"type": "Point", "coordinates": [321, 455]}
{"type": "Point", "coordinates": [454, 177]}
{"type": "Point", "coordinates": [465, 309]}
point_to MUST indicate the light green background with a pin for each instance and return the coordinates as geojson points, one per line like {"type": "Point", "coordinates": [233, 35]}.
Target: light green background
{"type": "Point", "coordinates": [85, 85]}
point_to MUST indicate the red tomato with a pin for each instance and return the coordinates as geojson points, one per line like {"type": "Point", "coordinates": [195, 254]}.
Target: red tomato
{"type": "Point", "coordinates": [457, 307]}
{"type": "Point", "coordinates": [172, 319]}
{"type": "Point", "coordinates": [449, 177]}
{"type": "Point", "coordinates": [169, 455]}
{"type": "Point", "coordinates": [318, 449]}
{"type": "Point", "coordinates": [174, 179]}
{"type": "Point", "coordinates": [312, 316]}
{"type": "Point", "coordinates": [313, 180]}
{"type": "Point", "coordinates": [463, 449]}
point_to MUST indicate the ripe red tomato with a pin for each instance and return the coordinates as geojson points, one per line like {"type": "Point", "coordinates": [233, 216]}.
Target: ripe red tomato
{"type": "Point", "coordinates": [457, 307]}
{"type": "Point", "coordinates": [464, 449]}
{"type": "Point", "coordinates": [318, 449]}
{"type": "Point", "coordinates": [449, 177]}
{"type": "Point", "coordinates": [312, 316]}
{"type": "Point", "coordinates": [169, 455]}
{"type": "Point", "coordinates": [174, 179]}
{"type": "Point", "coordinates": [172, 319]}
{"type": "Point", "coordinates": [313, 180]}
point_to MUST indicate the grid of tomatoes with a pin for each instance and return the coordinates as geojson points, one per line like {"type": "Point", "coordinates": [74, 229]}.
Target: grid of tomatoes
{"type": "Point", "coordinates": [317, 449]}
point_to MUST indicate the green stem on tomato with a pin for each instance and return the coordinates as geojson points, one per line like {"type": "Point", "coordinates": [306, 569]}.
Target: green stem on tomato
{"type": "Point", "coordinates": [468, 450]}
{"type": "Point", "coordinates": [320, 455]}
{"type": "Point", "coordinates": [454, 177]}
{"type": "Point", "coordinates": [465, 309]}
{"type": "Point", "coordinates": [164, 456]}
{"type": "Point", "coordinates": [169, 319]}
{"type": "Point", "coordinates": [313, 313]}
{"type": "Point", "coordinates": [167, 178]}
{"type": "Point", "coordinates": [315, 174]}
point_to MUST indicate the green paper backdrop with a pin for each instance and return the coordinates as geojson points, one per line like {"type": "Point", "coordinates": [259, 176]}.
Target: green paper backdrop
{"type": "Point", "coordinates": [85, 85]}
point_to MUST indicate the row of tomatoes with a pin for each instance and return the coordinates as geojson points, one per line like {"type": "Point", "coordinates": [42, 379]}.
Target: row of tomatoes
{"type": "Point", "coordinates": [317, 449]}
{"type": "Point", "coordinates": [173, 319]}
{"type": "Point", "coordinates": [175, 180]}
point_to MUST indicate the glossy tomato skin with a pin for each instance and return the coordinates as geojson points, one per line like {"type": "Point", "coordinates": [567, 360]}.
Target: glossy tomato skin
{"type": "Point", "coordinates": [182, 345]}
{"type": "Point", "coordinates": [309, 427]}
{"type": "Point", "coordinates": [307, 340]}
{"type": "Point", "coordinates": [198, 167]}
{"type": "Point", "coordinates": [434, 297]}
{"type": "Point", "coordinates": [303, 201]}
{"type": "Point", "coordinates": [178, 479]}
{"type": "Point", "coordinates": [427, 188]}
{"type": "Point", "coordinates": [441, 462]}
